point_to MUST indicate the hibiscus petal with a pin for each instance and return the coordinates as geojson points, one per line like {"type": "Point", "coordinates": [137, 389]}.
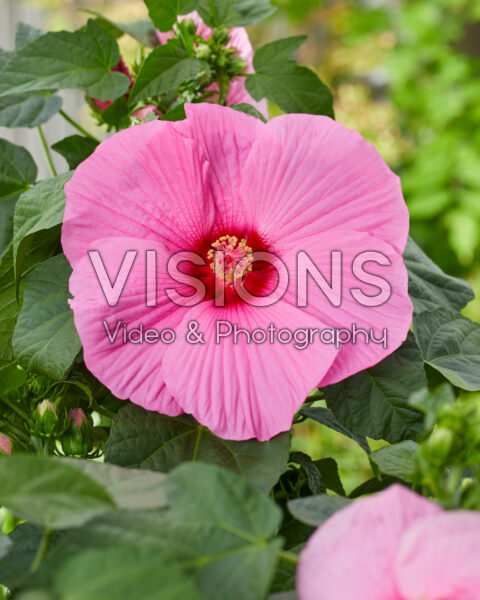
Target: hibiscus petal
{"type": "Point", "coordinates": [393, 316]}
{"type": "Point", "coordinates": [307, 174]}
{"type": "Point", "coordinates": [242, 390]}
{"type": "Point", "coordinates": [351, 556]}
{"type": "Point", "coordinates": [147, 182]}
{"type": "Point", "coordinates": [128, 370]}
{"type": "Point", "coordinates": [226, 138]}
{"type": "Point", "coordinates": [439, 558]}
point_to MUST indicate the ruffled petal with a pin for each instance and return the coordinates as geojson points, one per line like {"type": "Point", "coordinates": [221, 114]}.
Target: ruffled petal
{"type": "Point", "coordinates": [307, 174]}
{"type": "Point", "coordinates": [240, 390]}
{"type": "Point", "coordinates": [387, 325]}
{"type": "Point", "coordinates": [351, 556]}
{"type": "Point", "coordinates": [439, 558]}
{"type": "Point", "coordinates": [129, 370]}
{"type": "Point", "coordinates": [148, 182]}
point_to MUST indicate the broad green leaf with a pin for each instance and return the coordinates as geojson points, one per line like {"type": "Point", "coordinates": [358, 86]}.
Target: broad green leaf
{"type": "Point", "coordinates": [233, 13]}
{"type": "Point", "coordinates": [15, 564]}
{"type": "Point", "coordinates": [4, 57]}
{"type": "Point", "coordinates": [131, 489]}
{"type": "Point", "coordinates": [326, 417]}
{"type": "Point", "coordinates": [17, 169]}
{"type": "Point", "coordinates": [45, 339]}
{"type": "Point", "coordinates": [124, 572]}
{"type": "Point", "coordinates": [397, 460]}
{"type": "Point", "coordinates": [249, 110]}
{"type": "Point", "coordinates": [7, 209]}
{"type": "Point", "coordinates": [38, 209]}
{"type": "Point", "coordinates": [375, 402]}
{"type": "Point", "coordinates": [25, 34]}
{"type": "Point", "coordinates": [82, 60]}
{"type": "Point", "coordinates": [429, 287]}
{"type": "Point", "coordinates": [314, 510]}
{"type": "Point", "coordinates": [142, 30]}
{"type": "Point", "coordinates": [164, 69]}
{"type": "Point", "coordinates": [10, 301]}
{"type": "Point", "coordinates": [147, 440]}
{"type": "Point", "coordinates": [50, 492]}
{"type": "Point", "coordinates": [279, 78]}
{"type": "Point", "coordinates": [450, 343]}
{"type": "Point", "coordinates": [164, 13]}
{"type": "Point", "coordinates": [11, 377]}
{"type": "Point", "coordinates": [28, 110]}
{"type": "Point", "coordinates": [75, 149]}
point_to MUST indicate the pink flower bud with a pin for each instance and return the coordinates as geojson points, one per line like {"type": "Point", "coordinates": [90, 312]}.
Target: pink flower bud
{"type": "Point", "coordinates": [5, 444]}
{"type": "Point", "coordinates": [77, 415]}
{"type": "Point", "coordinates": [142, 113]}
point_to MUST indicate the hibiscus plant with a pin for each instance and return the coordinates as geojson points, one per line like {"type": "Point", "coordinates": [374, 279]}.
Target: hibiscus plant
{"type": "Point", "coordinates": [200, 283]}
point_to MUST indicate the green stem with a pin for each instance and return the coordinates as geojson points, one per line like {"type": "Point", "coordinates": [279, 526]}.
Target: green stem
{"type": "Point", "coordinates": [15, 408]}
{"type": "Point", "coordinates": [78, 127]}
{"type": "Point", "coordinates": [289, 557]}
{"type": "Point", "coordinates": [46, 151]}
{"type": "Point", "coordinates": [42, 550]}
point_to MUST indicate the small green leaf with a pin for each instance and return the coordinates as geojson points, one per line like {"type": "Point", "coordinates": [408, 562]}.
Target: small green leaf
{"type": "Point", "coordinates": [314, 510]}
{"type": "Point", "coordinates": [17, 169]}
{"type": "Point", "coordinates": [49, 492]}
{"type": "Point", "coordinates": [164, 12]}
{"type": "Point", "coordinates": [45, 339]}
{"type": "Point", "coordinates": [82, 60]}
{"type": "Point", "coordinates": [315, 480]}
{"type": "Point", "coordinates": [397, 460]}
{"type": "Point", "coordinates": [164, 69]}
{"type": "Point", "coordinates": [39, 209]}
{"type": "Point", "coordinates": [75, 149]}
{"type": "Point", "coordinates": [124, 572]}
{"type": "Point", "coordinates": [233, 13]}
{"type": "Point", "coordinates": [140, 438]}
{"type": "Point", "coordinates": [450, 343]}
{"type": "Point", "coordinates": [293, 88]}
{"type": "Point", "coordinates": [429, 287]}
{"type": "Point", "coordinates": [375, 402]}
{"type": "Point", "coordinates": [28, 111]}
{"type": "Point", "coordinates": [248, 109]}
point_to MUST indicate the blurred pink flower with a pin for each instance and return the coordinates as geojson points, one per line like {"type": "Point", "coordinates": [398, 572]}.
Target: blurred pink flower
{"type": "Point", "coordinates": [5, 444]}
{"type": "Point", "coordinates": [120, 67]}
{"type": "Point", "coordinates": [238, 39]}
{"type": "Point", "coordinates": [300, 182]}
{"type": "Point", "coordinates": [394, 545]}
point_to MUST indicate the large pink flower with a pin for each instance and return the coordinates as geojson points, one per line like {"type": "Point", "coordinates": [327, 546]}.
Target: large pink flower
{"type": "Point", "coordinates": [300, 182]}
{"type": "Point", "coordinates": [395, 545]}
{"type": "Point", "coordinates": [5, 444]}
{"type": "Point", "coordinates": [238, 39]}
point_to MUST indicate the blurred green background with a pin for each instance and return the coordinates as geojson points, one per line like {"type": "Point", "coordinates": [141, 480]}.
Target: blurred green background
{"type": "Point", "coordinates": [405, 74]}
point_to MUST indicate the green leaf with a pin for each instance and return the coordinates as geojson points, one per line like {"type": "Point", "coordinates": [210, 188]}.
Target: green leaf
{"type": "Point", "coordinates": [293, 88]}
{"type": "Point", "coordinates": [233, 13]}
{"type": "Point", "coordinates": [131, 489]}
{"type": "Point", "coordinates": [17, 169]}
{"type": "Point", "coordinates": [315, 480]}
{"type": "Point", "coordinates": [326, 417]}
{"type": "Point", "coordinates": [49, 492]}
{"type": "Point", "coordinates": [15, 564]}
{"type": "Point", "coordinates": [328, 469]}
{"type": "Point", "coordinates": [142, 30]}
{"type": "Point", "coordinates": [375, 402]}
{"type": "Point", "coordinates": [38, 209]}
{"type": "Point", "coordinates": [12, 377]}
{"type": "Point", "coordinates": [177, 113]}
{"type": "Point", "coordinates": [75, 149]}
{"type": "Point", "coordinates": [397, 460]}
{"type": "Point", "coordinates": [147, 440]}
{"type": "Point", "coordinates": [28, 111]}
{"type": "Point", "coordinates": [4, 57]}
{"type": "Point", "coordinates": [314, 510]}
{"type": "Point", "coordinates": [450, 343]}
{"type": "Point", "coordinates": [7, 209]}
{"type": "Point", "coordinates": [45, 339]}
{"type": "Point", "coordinates": [429, 287]}
{"type": "Point", "coordinates": [248, 109]}
{"type": "Point", "coordinates": [124, 572]}
{"type": "Point", "coordinates": [82, 60]}
{"type": "Point", "coordinates": [164, 12]}
{"type": "Point", "coordinates": [164, 69]}
{"type": "Point", "coordinates": [25, 34]}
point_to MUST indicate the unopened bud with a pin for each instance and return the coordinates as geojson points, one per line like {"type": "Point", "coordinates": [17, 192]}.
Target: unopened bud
{"type": "Point", "coordinates": [221, 35]}
{"type": "Point", "coordinates": [46, 421]}
{"type": "Point", "coordinates": [440, 443]}
{"type": "Point", "coordinates": [190, 26]}
{"type": "Point", "coordinates": [237, 65]}
{"type": "Point", "coordinates": [77, 416]}
{"type": "Point", "coordinates": [203, 52]}
{"type": "Point", "coordinates": [5, 444]}
{"type": "Point", "coordinates": [78, 439]}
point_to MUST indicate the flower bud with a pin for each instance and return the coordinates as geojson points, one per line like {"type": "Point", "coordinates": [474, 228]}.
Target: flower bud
{"type": "Point", "coordinates": [78, 439]}
{"type": "Point", "coordinates": [46, 421]}
{"type": "Point", "coordinates": [77, 416]}
{"type": "Point", "coordinates": [203, 52]}
{"type": "Point", "coordinates": [5, 444]}
{"type": "Point", "coordinates": [237, 65]}
{"type": "Point", "coordinates": [190, 26]}
{"type": "Point", "coordinates": [440, 443]}
{"type": "Point", "coordinates": [221, 35]}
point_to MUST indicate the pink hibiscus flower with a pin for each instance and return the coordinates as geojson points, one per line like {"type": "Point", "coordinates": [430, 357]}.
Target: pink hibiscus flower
{"type": "Point", "coordinates": [299, 183]}
{"type": "Point", "coordinates": [395, 545]}
{"type": "Point", "coordinates": [5, 444]}
{"type": "Point", "coordinates": [238, 39]}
